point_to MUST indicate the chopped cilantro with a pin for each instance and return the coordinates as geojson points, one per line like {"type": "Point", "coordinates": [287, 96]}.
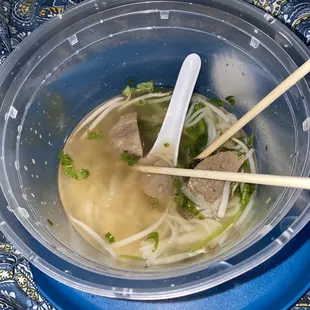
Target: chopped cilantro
{"type": "Point", "coordinates": [141, 88]}
{"type": "Point", "coordinates": [231, 100]}
{"type": "Point", "coordinates": [199, 106]}
{"type": "Point", "coordinates": [184, 202]}
{"type": "Point", "coordinates": [66, 163]}
{"type": "Point", "coordinates": [266, 147]}
{"type": "Point", "coordinates": [130, 81]}
{"type": "Point", "coordinates": [246, 194]}
{"type": "Point", "coordinates": [166, 144]}
{"type": "Point", "coordinates": [110, 237]}
{"type": "Point", "coordinates": [245, 164]}
{"type": "Point", "coordinates": [130, 159]}
{"type": "Point", "coordinates": [153, 235]}
{"type": "Point", "coordinates": [193, 141]}
{"type": "Point", "coordinates": [50, 222]}
{"type": "Point", "coordinates": [94, 134]}
{"type": "Point", "coordinates": [251, 141]}
{"type": "Point", "coordinates": [238, 154]}
{"type": "Point", "coordinates": [219, 103]}
{"type": "Point", "coordinates": [127, 91]}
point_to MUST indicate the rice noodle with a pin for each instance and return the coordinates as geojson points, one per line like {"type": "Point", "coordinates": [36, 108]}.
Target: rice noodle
{"type": "Point", "coordinates": [211, 130]}
{"type": "Point", "coordinates": [234, 188]}
{"type": "Point", "coordinates": [176, 258]}
{"type": "Point", "coordinates": [246, 150]}
{"type": "Point", "coordinates": [141, 234]}
{"type": "Point", "coordinates": [212, 107]}
{"type": "Point", "coordinates": [249, 153]}
{"type": "Point", "coordinates": [232, 211]}
{"type": "Point", "coordinates": [191, 123]}
{"type": "Point", "coordinates": [102, 116]}
{"type": "Point", "coordinates": [197, 115]}
{"type": "Point", "coordinates": [207, 224]}
{"type": "Point", "coordinates": [94, 114]}
{"type": "Point", "coordinates": [190, 111]}
{"type": "Point", "coordinates": [96, 237]}
{"type": "Point", "coordinates": [147, 96]}
{"type": "Point", "coordinates": [223, 206]}
{"type": "Point", "coordinates": [168, 98]}
{"type": "Point", "coordinates": [164, 244]}
{"type": "Point", "coordinates": [222, 126]}
{"type": "Point", "coordinates": [181, 221]}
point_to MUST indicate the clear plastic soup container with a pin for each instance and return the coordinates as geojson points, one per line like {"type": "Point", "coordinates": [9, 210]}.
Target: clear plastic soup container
{"type": "Point", "coordinates": [84, 57]}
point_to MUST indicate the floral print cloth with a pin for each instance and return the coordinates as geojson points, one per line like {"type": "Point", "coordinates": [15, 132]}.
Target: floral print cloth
{"type": "Point", "coordinates": [18, 18]}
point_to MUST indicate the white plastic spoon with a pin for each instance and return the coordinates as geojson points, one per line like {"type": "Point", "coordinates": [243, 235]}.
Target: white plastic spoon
{"type": "Point", "coordinates": [168, 140]}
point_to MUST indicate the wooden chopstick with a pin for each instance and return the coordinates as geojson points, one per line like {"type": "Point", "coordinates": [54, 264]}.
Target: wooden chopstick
{"type": "Point", "coordinates": [258, 108]}
{"type": "Point", "coordinates": [263, 179]}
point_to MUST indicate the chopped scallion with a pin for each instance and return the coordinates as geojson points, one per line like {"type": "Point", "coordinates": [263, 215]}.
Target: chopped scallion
{"type": "Point", "coordinates": [66, 163]}
{"type": "Point", "coordinates": [129, 158]}
{"type": "Point", "coordinates": [153, 235]}
{"type": "Point", "coordinates": [110, 237]}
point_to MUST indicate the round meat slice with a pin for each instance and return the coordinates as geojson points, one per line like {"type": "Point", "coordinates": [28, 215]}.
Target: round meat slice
{"type": "Point", "coordinates": [157, 185]}
{"type": "Point", "coordinates": [212, 189]}
{"type": "Point", "coordinates": [125, 135]}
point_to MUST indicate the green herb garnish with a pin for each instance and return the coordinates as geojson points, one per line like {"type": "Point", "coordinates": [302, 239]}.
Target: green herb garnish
{"type": "Point", "coordinates": [199, 106]}
{"type": "Point", "coordinates": [247, 193]}
{"type": "Point", "coordinates": [153, 202]}
{"type": "Point", "coordinates": [141, 88]}
{"type": "Point", "coordinates": [153, 235]}
{"type": "Point", "coordinates": [193, 141]}
{"type": "Point", "coordinates": [184, 202]}
{"type": "Point", "coordinates": [127, 91]}
{"type": "Point", "coordinates": [110, 237]}
{"type": "Point", "coordinates": [50, 222]}
{"type": "Point", "coordinates": [130, 81]}
{"type": "Point", "coordinates": [219, 103]}
{"type": "Point", "coordinates": [251, 141]}
{"type": "Point", "coordinates": [245, 197]}
{"type": "Point", "coordinates": [166, 144]}
{"type": "Point", "coordinates": [266, 148]}
{"type": "Point", "coordinates": [231, 100]}
{"type": "Point", "coordinates": [245, 165]}
{"type": "Point", "coordinates": [130, 159]}
{"type": "Point", "coordinates": [94, 134]}
{"type": "Point", "coordinates": [238, 154]}
{"type": "Point", "coordinates": [66, 163]}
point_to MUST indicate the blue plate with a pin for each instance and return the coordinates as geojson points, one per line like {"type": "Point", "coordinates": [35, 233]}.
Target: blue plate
{"type": "Point", "coordinates": [276, 284]}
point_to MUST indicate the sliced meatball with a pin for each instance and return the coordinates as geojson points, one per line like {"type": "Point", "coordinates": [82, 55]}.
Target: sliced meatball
{"type": "Point", "coordinates": [157, 185]}
{"type": "Point", "coordinates": [213, 189]}
{"type": "Point", "coordinates": [125, 135]}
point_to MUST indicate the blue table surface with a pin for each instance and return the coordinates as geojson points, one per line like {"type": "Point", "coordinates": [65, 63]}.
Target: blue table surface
{"type": "Point", "coordinates": [276, 284]}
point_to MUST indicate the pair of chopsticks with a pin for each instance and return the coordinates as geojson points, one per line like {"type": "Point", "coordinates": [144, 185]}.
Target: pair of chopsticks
{"type": "Point", "coordinates": [263, 179]}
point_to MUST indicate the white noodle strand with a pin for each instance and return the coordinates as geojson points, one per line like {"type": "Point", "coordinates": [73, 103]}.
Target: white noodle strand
{"type": "Point", "coordinates": [141, 234]}
{"type": "Point", "coordinates": [246, 150]}
{"type": "Point", "coordinates": [176, 258]}
{"type": "Point", "coordinates": [96, 237]}
{"type": "Point", "coordinates": [223, 206]}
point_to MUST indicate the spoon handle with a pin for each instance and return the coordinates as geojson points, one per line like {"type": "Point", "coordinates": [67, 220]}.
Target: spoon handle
{"type": "Point", "coordinates": [168, 140]}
